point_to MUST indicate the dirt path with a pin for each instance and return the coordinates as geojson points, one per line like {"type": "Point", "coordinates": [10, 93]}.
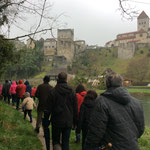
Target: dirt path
{"type": "Point", "coordinates": [40, 134]}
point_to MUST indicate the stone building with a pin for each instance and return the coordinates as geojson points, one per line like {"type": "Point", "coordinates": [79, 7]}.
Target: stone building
{"type": "Point", "coordinates": [143, 22]}
{"type": "Point", "coordinates": [142, 35]}
{"type": "Point", "coordinates": [80, 46]}
{"type": "Point", "coordinates": [30, 43]}
{"type": "Point", "coordinates": [50, 48]}
{"type": "Point", "coordinates": [65, 44]}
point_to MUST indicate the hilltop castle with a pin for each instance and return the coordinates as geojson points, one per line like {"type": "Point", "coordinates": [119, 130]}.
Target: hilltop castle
{"type": "Point", "coordinates": [142, 35]}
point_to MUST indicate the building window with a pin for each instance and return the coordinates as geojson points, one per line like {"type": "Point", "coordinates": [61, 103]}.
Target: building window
{"type": "Point", "coordinates": [141, 35]}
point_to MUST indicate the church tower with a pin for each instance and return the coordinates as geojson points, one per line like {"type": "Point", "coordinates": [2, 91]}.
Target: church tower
{"type": "Point", "coordinates": [143, 21]}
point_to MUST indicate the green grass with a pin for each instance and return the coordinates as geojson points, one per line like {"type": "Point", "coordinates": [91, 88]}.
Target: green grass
{"type": "Point", "coordinates": [142, 91]}
{"type": "Point", "coordinates": [144, 141]}
{"type": "Point", "coordinates": [138, 91]}
{"type": "Point", "coordinates": [73, 145]}
{"type": "Point", "coordinates": [40, 75]}
{"type": "Point", "coordinates": [99, 60]}
{"type": "Point", "coordinates": [16, 133]}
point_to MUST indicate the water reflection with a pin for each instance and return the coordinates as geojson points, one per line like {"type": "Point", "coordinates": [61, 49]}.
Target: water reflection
{"type": "Point", "coordinates": [145, 100]}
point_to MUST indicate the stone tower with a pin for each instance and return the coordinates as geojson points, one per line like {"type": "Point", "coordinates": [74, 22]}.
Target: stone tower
{"type": "Point", "coordinates": [65, 44]}
{"type": "Point", "coordinates": [143, 21]}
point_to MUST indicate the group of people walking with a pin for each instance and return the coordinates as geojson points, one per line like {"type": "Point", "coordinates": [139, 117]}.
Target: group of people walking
{"type": "Point", "coordinates": [19, 91]}
{"type": "Point", "coordinates": [113, 117]}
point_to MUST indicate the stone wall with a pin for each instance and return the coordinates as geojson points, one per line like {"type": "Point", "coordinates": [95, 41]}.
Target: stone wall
{"type": "Point", "coordinates": [126, 50]}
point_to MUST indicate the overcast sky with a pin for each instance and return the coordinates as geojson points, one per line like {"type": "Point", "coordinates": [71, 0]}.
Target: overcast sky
{"type": "Point", "coordinates": [95, 21]}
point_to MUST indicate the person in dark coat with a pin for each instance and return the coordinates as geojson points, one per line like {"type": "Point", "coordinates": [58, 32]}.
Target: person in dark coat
{"type": "Point", "coordinates": [42, 95]}
{"type": "Point", "coordinates": [5, 91]}
{"type": "Point", "coordinates": [117, 118]}
{"type": "Point", "coordinates": [28, 87]}
{"type": "Point", "coordinates": [85, 114]}
{"type": "Point", "coordinates": [62, 105]}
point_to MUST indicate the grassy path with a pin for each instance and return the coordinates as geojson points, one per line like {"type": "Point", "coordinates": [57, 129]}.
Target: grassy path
{"type": "Point", "coordinates": [41, 133]}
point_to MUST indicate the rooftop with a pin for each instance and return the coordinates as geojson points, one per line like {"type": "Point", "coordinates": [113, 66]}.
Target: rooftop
{"type": "Point", "coordinates": [142, 15]}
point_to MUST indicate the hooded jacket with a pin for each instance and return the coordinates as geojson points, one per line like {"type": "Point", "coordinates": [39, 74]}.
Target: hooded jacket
{"type": "Point", "coordinates": [20, 89]}
{"type": "Point", "coordinates": [117, 118]}
{"type": "Point", "coordinates": [12, 89]}
{"type": "Point", "coordinates": [28, 103]}
{"type": "Point", "coordinates": [85, 113]}
{"type": "Point", "coordinates": [62, 105]}
{"type": "Point", "coordinates": [80, 98]}
{"type": "Point", "coordinates": [28, 87]}
{"type": "Point", "coordinates": [33, 92]}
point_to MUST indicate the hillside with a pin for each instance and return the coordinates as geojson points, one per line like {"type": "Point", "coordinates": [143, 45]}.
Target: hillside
{"type": "Point", "coordinates": [94, 62]}
{"type": "Point", "coordinates": [16, 133]}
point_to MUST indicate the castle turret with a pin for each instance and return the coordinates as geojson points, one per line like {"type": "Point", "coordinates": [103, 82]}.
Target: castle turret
{"type": "Point", "coordinates": [143, 21]}
{"type": "Point", "coordinates": [65, 44]}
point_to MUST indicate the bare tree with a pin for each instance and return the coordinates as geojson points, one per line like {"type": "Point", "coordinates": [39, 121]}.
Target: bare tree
{"type": "Point", "coordinates": [17, 12]}
{"type": "Point", "coordinates": [127, 11]}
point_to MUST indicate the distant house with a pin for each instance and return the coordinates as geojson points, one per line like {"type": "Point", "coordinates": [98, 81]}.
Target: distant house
{"type": "Point", "coordinates": [50, 46]}
{"type": "Point", "coordinates": [80, 46]}
{"type": "Point", "coordinates": [142, 35]}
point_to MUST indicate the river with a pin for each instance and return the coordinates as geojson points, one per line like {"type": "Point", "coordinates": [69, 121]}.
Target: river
{"type": "Point", "coordinates": [145, 100]}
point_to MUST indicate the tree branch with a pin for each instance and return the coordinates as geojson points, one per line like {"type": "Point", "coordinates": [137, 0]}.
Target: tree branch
{"type": "Point", "coordinates": [28, 35]}
{"type": "Point", "coordinates": [41, 16]}
{"type": "Point", "coordinates": [127, 12]}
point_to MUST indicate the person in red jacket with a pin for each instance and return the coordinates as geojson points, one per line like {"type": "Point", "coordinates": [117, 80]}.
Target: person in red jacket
{"type": "Point", "coordinates": [33, 93]}
{"type": "Point", "coordinates": [12, 92]}
{"type": "Point", "coordinates": [20, 91]}
{"type": "Point", "coordinates": [80, 94]}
